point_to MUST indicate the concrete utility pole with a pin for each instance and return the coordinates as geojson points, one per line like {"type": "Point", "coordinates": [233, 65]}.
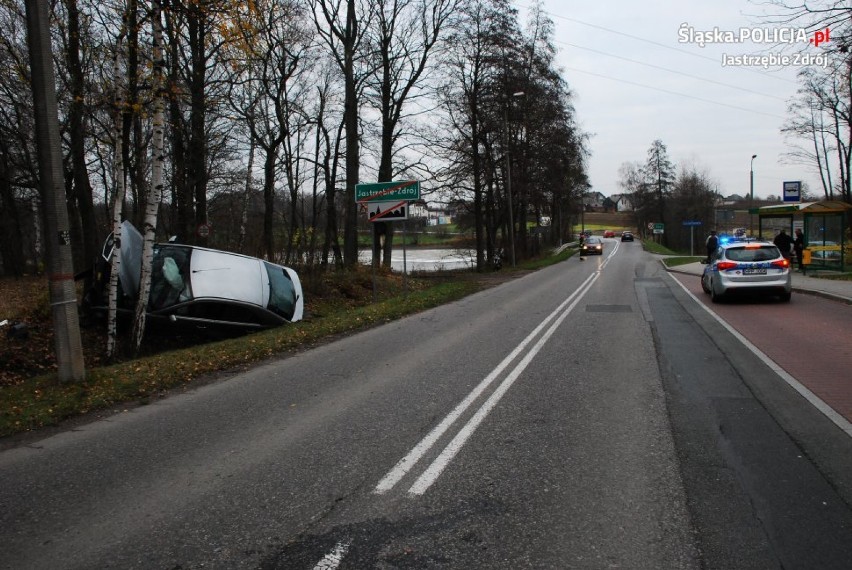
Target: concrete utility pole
{"type": "Point", "coordinates": [60, 267]}
{"type": "Point", "coordinates": [509, 177]}
{"type": "Point", "coordinates": [751, 197]}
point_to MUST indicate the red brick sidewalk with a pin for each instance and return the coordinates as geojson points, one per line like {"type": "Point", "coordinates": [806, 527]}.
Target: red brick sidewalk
{"type": "Point", "coordinates": [810, 338]}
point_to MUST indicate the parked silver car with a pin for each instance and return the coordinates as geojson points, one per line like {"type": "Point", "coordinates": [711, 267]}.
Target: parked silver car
{"type": "Point", "coordinates": [754, 267]}
{"type": "Point", "coordinates": [201, 286]}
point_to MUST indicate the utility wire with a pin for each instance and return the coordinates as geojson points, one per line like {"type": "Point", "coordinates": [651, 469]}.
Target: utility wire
{"type": "Point", "coordinates": [674, 93]}
{"type": "Point", "coordinates": [637, 62]}
{"type": "Point", "coordinates": [652, 42]}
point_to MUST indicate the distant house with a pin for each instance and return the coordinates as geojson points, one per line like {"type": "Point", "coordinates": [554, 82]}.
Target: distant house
{"type": "Point", "coordinates": [418, 209]}
{"type": "Point", "coordinates": [437, 216]}
{"type": "Point", "coordinates": [594, 201]}
{"type": "Point", "coordinates": [623, 202]}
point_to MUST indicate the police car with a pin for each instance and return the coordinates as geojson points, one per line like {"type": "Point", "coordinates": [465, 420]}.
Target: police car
{"type": "Point", "coordinates": [747, 267]}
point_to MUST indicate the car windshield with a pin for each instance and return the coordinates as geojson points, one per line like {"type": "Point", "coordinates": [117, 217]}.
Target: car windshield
{"type": "Point", "coordinates": [762, 253]}
{"type": "Point", "coordinates": [282, 293]}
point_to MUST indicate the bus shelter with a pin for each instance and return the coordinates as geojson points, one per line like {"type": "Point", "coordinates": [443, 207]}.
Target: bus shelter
{"type": "Point", "coordinates": [825, 225]}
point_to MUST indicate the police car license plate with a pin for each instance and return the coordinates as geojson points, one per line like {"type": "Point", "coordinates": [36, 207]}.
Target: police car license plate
{"type": "Point", "coordinates": [754, 271]}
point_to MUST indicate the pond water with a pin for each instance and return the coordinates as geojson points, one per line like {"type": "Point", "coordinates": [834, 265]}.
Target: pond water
{"type": "Point", "coordinates": [418, 259]}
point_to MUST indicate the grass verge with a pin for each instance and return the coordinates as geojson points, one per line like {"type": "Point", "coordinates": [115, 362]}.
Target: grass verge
{"type": "Point", "coordinates": [41, 401]}
{"type": "Point", "coordinates": [654, 247]}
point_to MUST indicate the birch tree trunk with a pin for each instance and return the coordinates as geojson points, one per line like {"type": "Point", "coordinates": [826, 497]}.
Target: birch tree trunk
{"type": "Point", "coordinates": [246, 196]}
{"type": "Point", "coordinates": [118, 203]}
{"type": "Point", "coordinates": [156, 189]}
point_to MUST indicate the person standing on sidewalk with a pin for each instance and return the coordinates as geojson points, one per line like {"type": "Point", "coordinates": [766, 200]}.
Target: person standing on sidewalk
{"type": "Point", "coordinates": [783, 242]}
{"type": "Point", "coordinates": [799, 248]}
{"type": "Point", "coordinates": [712, 243]}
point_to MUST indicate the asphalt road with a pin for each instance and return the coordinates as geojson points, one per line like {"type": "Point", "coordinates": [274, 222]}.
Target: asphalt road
{"type": "Point", "coordinates": [589, 415]}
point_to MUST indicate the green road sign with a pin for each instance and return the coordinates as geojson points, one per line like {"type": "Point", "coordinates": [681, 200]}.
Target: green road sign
{"type": "Point", "coordinates": [388, 191]}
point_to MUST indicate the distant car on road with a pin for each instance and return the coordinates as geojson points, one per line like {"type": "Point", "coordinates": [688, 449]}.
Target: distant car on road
{"type": "Point", "coordinates": [609, 234]}
{"type": "Point", "coordinates": [593, 245]}
{"type": "Point", "coordinates": [626, 236]}
{"type": "Point", "coordinates": [754, 267]}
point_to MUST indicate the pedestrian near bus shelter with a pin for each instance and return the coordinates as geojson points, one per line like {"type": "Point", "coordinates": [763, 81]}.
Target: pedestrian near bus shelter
{"type": "Point", "coordinates": [799, 248]}
{"type": "Point", "coordinates": [712, 243]}
{"type": "Point", "coordinates": [783, 242]}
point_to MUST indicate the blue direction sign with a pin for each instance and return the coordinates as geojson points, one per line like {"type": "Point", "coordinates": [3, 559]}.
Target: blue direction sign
{"type": "Point", "coordinates": [692, 222]}
{"type": "Point", "coordinates": [388, 191]}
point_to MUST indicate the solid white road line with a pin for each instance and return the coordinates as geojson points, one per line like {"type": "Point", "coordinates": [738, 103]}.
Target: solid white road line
{"type": "Point", "coordinates": [817, 402]}
{"type": "Point", "coordinates": [437, 467]}
{"type": "Point", "coordinates": [407, 463]}
{"type": "Point", "coordinates": [333, 559]}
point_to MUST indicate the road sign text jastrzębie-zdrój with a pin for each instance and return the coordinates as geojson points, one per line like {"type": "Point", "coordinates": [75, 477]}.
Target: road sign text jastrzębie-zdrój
{"type": "Point", "coordinates": [388, 191]}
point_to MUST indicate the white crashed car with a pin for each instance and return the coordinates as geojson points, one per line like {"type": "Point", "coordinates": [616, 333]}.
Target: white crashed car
{"type": "Point", "coordinates": [204, 287]}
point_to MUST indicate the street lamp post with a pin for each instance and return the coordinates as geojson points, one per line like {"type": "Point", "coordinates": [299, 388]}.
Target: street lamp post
{"type": "Point", "coordinates": [751, 197]}
{"type": "Point", "coordinates": [509, 181]}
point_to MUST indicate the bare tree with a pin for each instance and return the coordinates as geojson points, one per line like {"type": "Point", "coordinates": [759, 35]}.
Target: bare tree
{"type": "Point", "coordinates": [512, 121]}
{"type": "Point", "coordinates": [833, 92]}
{"type": "Point", "coordinates": [632, 182]}
{"type": "Point", "coordinates": [403, 35]}
{"type": "Point", "coordinates": [18, 178]}
{"type": "Point", "coordinates": [807, 121]}
{"type": "Point", "coordinates": [266, 93]}
{"type": "Point", "coordinates": [340, 25]}
{"type": "Point", "coordinates": [156, 189]}
{"type": "Point", "coordinates": [466, 64]}
{"type": "Point", "coordinates": [80, 190]}
{"type": "Point", "coordinates": [327, 162]}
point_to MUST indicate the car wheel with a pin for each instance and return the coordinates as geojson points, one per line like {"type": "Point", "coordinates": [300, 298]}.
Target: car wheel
{"type": "Point", "coordinates": [704, 286]}
{"type": "Point", "coordinates": [785, 297]}
{"type": "Point", "coordinates": [714, 296]}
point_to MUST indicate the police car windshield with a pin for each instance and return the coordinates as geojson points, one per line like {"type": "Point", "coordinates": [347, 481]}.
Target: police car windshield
{"type": "Point", "coordinates": [762, 253]}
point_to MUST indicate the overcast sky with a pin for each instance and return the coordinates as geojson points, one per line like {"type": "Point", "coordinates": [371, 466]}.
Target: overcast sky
{"type": "Point", "coordinates": [634, 82]}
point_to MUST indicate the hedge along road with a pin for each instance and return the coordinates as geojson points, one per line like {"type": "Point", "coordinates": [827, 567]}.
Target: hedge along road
{"type": "Point", "coordinates": [558, 449]}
